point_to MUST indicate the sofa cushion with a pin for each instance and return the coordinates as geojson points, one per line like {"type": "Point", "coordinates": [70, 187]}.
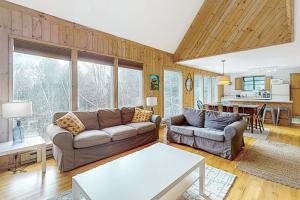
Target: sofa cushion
{"type": "Point", "coordinates": [184, 130]}
{"type": "Point", "coordinates": [71, 123]}
{"type": "Point", "coordinates": [127, 114]}
{"type": "Point", "coordinates": [120, 132]}
{"type": "Point", "coordinates": [89, 119]}
{"type": "Point", "coordinates": [142, 127]}
{"type": "Point", "coordinates": [141, 115]}
{"type": "Point", "coordinates": [91, 138]}
{"type": "Point", "coordinates": [109, 117]}
{"type": "Point", "coordinates": [194, 117]}
{"type": "Point", "coordinates": [219, 120]}
{"type": "Point", "coordinates": [209, 133]}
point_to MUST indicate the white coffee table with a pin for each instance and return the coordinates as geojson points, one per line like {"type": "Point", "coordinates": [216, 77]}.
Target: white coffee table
{"type": "Point", "coordinates": [8, 148]}
{"type": "Point", "coordinates": [157, 172]}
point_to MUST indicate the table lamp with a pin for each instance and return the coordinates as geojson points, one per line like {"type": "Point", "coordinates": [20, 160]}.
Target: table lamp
{"type": "Point", "coordinates": [151, 102]}
{"type": "Point", "coordinates": [17, 110]}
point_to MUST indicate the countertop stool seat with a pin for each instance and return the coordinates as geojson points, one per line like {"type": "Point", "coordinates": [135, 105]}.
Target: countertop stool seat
{"type": "Point", "coordinates": [272, 110]}
{"type": "Point", "coordinates": [285, 109]}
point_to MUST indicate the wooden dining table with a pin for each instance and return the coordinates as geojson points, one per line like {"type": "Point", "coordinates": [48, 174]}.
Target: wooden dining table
{"type": "Point", "coordinates": [251, 110]}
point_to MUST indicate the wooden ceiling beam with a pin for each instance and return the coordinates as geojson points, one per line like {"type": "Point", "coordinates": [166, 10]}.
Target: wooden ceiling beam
{"type": "Point", "coordinates": [226, 26]}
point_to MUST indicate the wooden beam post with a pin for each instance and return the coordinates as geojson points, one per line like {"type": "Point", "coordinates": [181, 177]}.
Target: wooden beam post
{"type": "Point", "coordinates": [74, 80]}
{"type": "Point", "coordinates": [115, 74]}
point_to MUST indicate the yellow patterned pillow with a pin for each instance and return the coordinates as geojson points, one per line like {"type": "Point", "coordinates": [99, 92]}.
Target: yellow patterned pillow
{"type": "Point", "coordinates": [71, 122]}
{"type": "Point", "coordinates": [141, 115]}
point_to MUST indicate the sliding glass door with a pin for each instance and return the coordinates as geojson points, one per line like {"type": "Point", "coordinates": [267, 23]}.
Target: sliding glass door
{"type": "Point", "coordinates": [172, 93]}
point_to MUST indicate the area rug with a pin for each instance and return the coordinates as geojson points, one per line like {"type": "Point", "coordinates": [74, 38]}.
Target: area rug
{"type": "Point", "coordinates": [217, 185]}
{"type": "Point", "coordinates": [257, 134]}
{"type": "Point", "coordinates": [273, 161]}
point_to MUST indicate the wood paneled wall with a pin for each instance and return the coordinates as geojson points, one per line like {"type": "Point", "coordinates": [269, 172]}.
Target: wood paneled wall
{"type": "Point", "coordinates": [227, 26]}
{"type": "Point", "coordinates": [23, 23]}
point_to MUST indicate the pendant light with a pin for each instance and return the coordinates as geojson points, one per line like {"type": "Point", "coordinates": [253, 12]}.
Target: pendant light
{"type": "Point", "coordinates": [223, 80]}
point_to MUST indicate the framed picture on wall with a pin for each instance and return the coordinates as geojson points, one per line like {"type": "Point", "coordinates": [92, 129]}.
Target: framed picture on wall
{"type": "Point", "coordinates": [154, 82]}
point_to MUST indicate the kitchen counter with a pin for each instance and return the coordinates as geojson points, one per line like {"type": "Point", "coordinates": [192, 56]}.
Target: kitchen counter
{"type": "Point", "coordinates": [271, 103]}
{"type": "Point", "coordinates": [258, 100]}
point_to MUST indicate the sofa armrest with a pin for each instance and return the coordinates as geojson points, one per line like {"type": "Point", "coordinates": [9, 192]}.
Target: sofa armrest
{"type": "Point", "coordinates": [237, 127]}
{"type": "Point", "coordinates": [176, 120]}
{"type": "Point", "coordinates": [156, 119]}
{"type": "Point", "coordinates": [60, 137]}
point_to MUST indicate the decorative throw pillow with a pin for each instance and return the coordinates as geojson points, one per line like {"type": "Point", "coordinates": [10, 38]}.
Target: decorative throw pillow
{"type": "Point", "coordinates": [141, 115]}
{"type": "Point", "coordinates": [71, 122]}
{"type": "Point", "coordinates": [194, 117]}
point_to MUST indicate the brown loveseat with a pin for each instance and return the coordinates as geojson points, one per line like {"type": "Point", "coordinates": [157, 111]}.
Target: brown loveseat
{"type": "Point", "coordinates": [219, 133]}
{"type": "Point", "coordinates": [108, 132]}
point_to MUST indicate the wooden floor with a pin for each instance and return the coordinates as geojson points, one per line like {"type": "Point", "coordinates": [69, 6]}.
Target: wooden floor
{"type": "Point", "coordinates": [34, 185]}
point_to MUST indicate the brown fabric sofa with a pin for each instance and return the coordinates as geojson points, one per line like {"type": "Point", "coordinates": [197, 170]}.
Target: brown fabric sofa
{"type": "Point", "coordinates": [218, 133]}
{"type": "Point", "coordinates": [108, 132]}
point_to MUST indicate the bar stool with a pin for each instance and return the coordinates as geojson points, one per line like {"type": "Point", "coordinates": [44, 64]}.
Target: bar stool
{"type": "Point", "coordinates": [269, 109]}
{"type": "Point", "coordinates": [279, 109]}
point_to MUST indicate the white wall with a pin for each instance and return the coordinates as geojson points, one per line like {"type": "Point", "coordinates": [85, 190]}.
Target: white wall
{"type": "Point", "coordinates": [284, 74]}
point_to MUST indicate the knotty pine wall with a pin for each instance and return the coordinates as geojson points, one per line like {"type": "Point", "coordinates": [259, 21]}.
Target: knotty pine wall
{"type": "Point", "coordinates": [24, 23]}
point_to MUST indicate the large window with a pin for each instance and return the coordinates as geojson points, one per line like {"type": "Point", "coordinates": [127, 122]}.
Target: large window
{"type": "Point", "coordinates": [214, 93]}
{"type": "Point", "coordinates": [130, 87]}
{"type": "Point", "coordinates": [251, 83]}
{"type": "Point", "coordinates": [207, 89]}
{"type": "Point", "coordinates": [46, 82]}
{"type": "Point", "coordinates": [198, 83]}
{"type": "Point", "coordinates": [95, 85]}
{"type": "Point", "coordinates": [172, 93]}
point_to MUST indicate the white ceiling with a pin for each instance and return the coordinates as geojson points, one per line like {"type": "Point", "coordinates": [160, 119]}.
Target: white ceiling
{"type": "Point", "coordinates": [157, 23]}
{"type": "Point", "coordinates": [280, 56]}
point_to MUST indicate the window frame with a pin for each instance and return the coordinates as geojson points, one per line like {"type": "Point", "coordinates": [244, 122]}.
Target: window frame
{"type": "Point", "coordinates": [54, 53]}
{"type": "Point", "coordinates": [253, 82]}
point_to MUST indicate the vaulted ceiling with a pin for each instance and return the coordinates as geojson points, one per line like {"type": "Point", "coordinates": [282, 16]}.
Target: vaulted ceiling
{"type": "Point", "coordinates": [199, 32]}
{"type": "Point", "coordinates": [156, 23]}
{"type": "Point", "coordinates": [235, 25]}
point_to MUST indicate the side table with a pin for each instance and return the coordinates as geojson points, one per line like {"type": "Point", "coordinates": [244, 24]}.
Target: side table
{"type": "Point", "coordinates": [33, 143]}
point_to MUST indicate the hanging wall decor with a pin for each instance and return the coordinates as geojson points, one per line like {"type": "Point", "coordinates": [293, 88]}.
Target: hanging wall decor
{"type": "Point", "coordinates": [189, 83]}
{"type": "Point", "coordinates": [154, 82]}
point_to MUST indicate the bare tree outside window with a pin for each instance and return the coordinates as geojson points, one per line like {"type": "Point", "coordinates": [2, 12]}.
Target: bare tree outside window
{"type": "Point", "coordinates": [130, 87]}
{"type": "Point", "coordinates": [95, 86]}
{"type": "Point", "coordinates": [44, 81]}
{"type": "Point", "coordinates": [172, 93]}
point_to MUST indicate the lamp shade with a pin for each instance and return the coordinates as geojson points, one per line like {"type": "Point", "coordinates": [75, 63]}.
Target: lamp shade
{"type": "Point", "coordinates": [223, 80]}
{"type": "Point", "coordinates": [17, 109]}
{"type": "Point", "coordinates": [151, 101]}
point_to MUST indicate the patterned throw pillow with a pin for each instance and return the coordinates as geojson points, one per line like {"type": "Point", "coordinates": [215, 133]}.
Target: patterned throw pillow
{"type": "Point", "coordinates": [141, 115]}
{"type": "Point", "coordinates": [71, 122]}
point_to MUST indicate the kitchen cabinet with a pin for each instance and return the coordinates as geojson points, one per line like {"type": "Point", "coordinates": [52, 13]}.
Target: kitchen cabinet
{"type": "Point", "coordinates": [295, 93]}
{"type": "Point", "coordinates": [238, 83]}
{"type": "Point", "coordinates": [268, 82]}
{"type": "Point", "coordinates": [295, 97]}
{"type": "Point", "coordinates": [295, 80]}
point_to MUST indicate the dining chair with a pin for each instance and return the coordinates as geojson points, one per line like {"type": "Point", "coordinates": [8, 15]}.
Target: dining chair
{"type": "Point", "coordinates": [199, 104]}
{"type": "Point", "coordinates": [259, 118]}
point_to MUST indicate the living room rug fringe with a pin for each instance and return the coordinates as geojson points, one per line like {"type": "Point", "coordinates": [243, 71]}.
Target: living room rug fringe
{"type": "Point", "coordinates": [217, 186]}
{"type": "Point", "coordinates": [273, 161]}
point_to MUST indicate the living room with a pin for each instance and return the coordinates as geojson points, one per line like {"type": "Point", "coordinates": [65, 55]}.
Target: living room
{"type": "Point", "coordinates": [152, 99]}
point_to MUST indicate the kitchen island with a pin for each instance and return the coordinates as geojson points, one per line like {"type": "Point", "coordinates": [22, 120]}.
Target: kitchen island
{"type": "Point", "coordinates": [272, 103]}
